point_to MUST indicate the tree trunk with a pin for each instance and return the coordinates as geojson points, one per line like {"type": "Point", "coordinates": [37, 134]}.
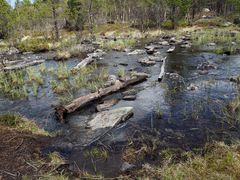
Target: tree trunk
{"type": "Point", "coordinates": [56, 28]}
{"type": "Point", "coordinates": [22, 64]}
{"type": "Point", "coordinates": [173, 18]}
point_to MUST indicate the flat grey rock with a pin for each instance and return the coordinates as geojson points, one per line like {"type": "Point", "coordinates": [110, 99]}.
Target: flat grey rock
{"type": "Point", "coordinates": [109, 119]}
{"type": "Point", "coordinates": [127, 167]}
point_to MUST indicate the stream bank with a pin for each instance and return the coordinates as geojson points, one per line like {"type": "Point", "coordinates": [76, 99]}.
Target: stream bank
{"type": "Point", "coordinates": [184, 112]}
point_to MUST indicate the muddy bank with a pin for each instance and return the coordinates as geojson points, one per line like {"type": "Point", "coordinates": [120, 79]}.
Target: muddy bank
{"type": "Point", "coordinates": [19, 152]}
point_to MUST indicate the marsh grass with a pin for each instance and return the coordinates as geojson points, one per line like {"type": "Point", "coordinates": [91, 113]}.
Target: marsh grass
{"type": "Point", "coordinates": [47, 168]}
{"type": "Point", "coordinates": [35, 89]}
{"type": "Point", "coordinates": [116, 28]}
{"type": "Point", "coordinates": [89, 77]}
{"type": "Point", "coordinates": [34, 76]}
{"type": "Point", "coordinates": [159, 110]}
{"type": "Point", "coordinates": [55, 159]}
{"type": "Point", "coordinates": [20, 123]}
{"type": "Point", "coordinates": [224, 39]}
{"type": "Point", "coordinates": [121, 72]}
{"type": "Point", "coordinates": [232, 112]}
{"type": "Point", "coordinates": [34, 45]}
{"type": "Point", "coordinates": [219, 36]}
{"type": "Point", "coordinates": [12, 84]}
{"type": "Point", "coordinates": [22, 83]}
{"type": "Point", "coordinates": [63, 72]}
{"type": "Point", "coordinates": [99, 153]}
{"type": "Point", "coordinates": [118, 44]}
{"type": "Point", "coordinates": [43, 69]}
{"type": "Point", "coordinates": [219, 161]}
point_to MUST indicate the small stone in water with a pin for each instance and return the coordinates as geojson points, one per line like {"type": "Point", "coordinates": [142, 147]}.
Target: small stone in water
{"type": "Point", "coordinates": [126, 167]}
{"type": "Point", "coordinates": [129, 98]}
{"type": "Point", "coordinates": [203, 72]}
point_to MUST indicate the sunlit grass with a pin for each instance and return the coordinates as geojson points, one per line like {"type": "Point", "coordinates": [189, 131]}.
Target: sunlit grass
{"type": "Point", "coordinates": [63, 72]}
{"type": "Point", "coordinates": [219, 162]}
{"type": "Point", "coordinates": [219, 36]}
{"type": "Point", "coordinates": [118, 44]}
{"type": "Point", "coordinates": [20, 123]}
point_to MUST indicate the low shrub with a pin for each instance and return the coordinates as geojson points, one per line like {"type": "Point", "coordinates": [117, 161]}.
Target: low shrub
{"type": "Point", "coordinates": [34, 45]}
{"type": "Point", "coordinates": [217, 22]}
{"type": "Point", "coordinates": [167, 24]}
{"type": "Point", "coordinates": [183, 23]}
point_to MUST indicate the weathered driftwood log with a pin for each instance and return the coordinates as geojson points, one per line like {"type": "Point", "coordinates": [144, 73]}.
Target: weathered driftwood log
{"type": "Point", "coordinates": [11, 63]}
{"type": "Point", "coordinates": [91, 58]}
{"type": "Point", "coordinates": [84, 63]}
{"type": "Point", "coordinates": [162, 72]}
{"type": "Point", "coordinates": [171, 49]}
{"type": "Point", "coordinates": [23, 64]}
{"type": "Point", "coordinates": [61, 111]}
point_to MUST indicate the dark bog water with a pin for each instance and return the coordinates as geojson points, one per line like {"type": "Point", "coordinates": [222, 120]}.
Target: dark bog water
{"type": "Point", "coordinates": [165, 113]}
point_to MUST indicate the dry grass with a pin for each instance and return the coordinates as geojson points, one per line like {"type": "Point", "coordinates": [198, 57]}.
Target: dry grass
{"type": "Point", "coordinates": [219, 162]}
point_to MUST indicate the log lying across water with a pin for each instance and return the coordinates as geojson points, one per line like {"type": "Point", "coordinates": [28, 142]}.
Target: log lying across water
{"type": "Point", "coordinates": [61, 111]}
{"type": "Point", "coordinates": [23, 64]}
{"type": "Point", "coordinates": [84, 63]}
{"type": "Point", "coordinates": [90, 59]}
{"type": "Point", "coordinates": [162, 72]}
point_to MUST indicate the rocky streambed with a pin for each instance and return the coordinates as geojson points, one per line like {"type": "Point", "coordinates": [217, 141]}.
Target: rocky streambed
{"type": "Point", "coordinates": [183, 111]}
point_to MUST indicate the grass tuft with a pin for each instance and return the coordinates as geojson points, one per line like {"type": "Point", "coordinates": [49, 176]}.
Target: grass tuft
{"type": "Point", "coordinates": [20, 123]}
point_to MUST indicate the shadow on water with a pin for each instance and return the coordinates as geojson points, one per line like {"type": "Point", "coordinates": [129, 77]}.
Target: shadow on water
{"type": "Point", "coordinates": [166, 115]}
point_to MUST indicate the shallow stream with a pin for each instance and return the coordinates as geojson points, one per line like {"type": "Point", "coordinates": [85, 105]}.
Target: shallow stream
{"type": "Point", "coordinates": [167, 112]}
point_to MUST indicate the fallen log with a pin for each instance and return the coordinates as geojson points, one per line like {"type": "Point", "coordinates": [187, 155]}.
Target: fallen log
{"type": "Point", "coordinates": [11, 63]}
{"type": "Point", "coordinates": [62, 111]}
{"type": "Point", "coordinates": [22, 65]}
{"type": "Point", "coordinates": [84, 63]}
{"type": "Point", "coordinates": [91, 58]}
{"type": "Point", "coordinates": [162, 72]}
{"type": "Point", "coordinates": [171, 49]}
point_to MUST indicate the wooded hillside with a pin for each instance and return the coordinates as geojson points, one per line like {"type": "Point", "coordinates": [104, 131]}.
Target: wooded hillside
{"type": "Point", "coordinates": [49, 15]}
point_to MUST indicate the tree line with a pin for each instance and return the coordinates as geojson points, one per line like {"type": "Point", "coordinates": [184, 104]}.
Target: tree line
{"type": "Point", "coordinates": [78, 15]}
